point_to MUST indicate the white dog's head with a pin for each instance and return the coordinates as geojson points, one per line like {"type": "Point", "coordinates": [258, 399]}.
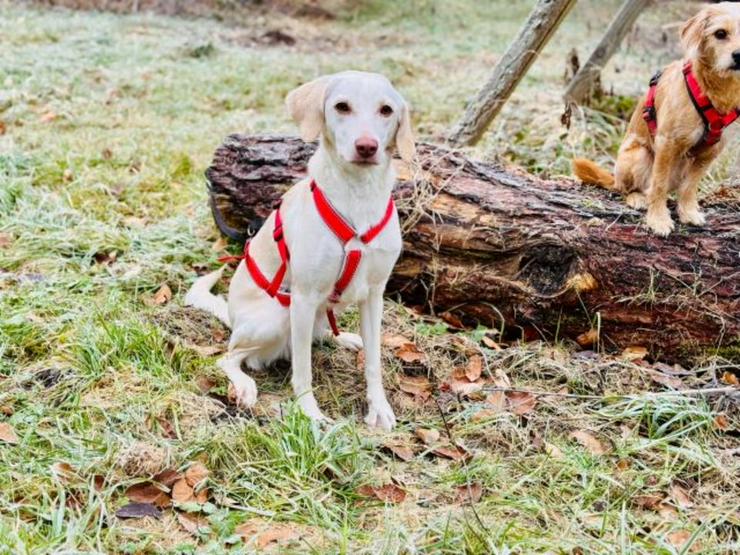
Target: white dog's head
{"type": "Point", "coordinates": [712, 37]}
{"type": "Point", "coordinates": [360, 115]}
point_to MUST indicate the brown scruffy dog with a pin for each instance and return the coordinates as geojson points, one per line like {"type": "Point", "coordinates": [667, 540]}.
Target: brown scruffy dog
{"type": "Point", "coordinates": [676, 153]}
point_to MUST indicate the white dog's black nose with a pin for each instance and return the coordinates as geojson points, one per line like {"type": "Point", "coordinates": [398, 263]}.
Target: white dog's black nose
{"type": "Point", "coordinates": [366, 147]}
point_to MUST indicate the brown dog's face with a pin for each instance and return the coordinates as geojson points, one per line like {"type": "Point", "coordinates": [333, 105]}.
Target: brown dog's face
{"type": "Point", "coordinates": [713, 37]}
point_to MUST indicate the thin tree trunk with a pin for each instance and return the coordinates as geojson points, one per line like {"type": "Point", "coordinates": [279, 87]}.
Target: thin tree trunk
{"type": "Point", "coordinates": [511, 68]}
{"type": "Point", "coordinates": [586, 81]}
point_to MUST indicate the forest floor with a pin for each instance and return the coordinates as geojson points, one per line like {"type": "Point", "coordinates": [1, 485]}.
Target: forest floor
{"type": "Point", "coordinates": [107, 123]}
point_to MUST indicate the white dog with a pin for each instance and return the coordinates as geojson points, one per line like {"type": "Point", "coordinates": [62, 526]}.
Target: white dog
{"type": "Point", "coordinates": [333, 241]}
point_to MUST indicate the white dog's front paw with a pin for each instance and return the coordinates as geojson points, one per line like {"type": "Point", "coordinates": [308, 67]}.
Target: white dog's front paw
{"type": "Point", "coordinates": [245, 391]}
{"type": "Point", "coordinates": [350, 341]}
{"type": "Point", "coordinates": [310, 408]}
{"type": "Point", "coordinates": [380, 414]}
{"type": "Point", "coordinates": [660, 222]}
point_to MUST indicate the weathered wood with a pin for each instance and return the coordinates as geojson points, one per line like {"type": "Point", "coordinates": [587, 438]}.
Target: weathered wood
{"type": "Point", "coordinates": [534, 258]}
{"type": "Point", "coordinates": [511, 68]}
{"type": "Point", "coordinates": [587, 80]}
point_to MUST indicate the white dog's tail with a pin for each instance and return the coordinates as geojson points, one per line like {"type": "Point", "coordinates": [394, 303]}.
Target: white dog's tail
{"type": "Point", "coordinates": [200, 296]}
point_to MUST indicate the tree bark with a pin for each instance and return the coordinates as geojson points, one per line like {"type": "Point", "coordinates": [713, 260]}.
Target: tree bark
{"type": "Point", "coordinates": [532, 258]}
{"type": "Point", "coordinates": [583, 84]}
{"type": "Point", "coordinates": [542, 23]}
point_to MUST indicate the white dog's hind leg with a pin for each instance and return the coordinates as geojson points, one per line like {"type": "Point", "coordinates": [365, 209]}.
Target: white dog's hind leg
{"type": "Point", "coordinates": [244, 386]}
{"type": "Point", "coordinates": [379, 411]}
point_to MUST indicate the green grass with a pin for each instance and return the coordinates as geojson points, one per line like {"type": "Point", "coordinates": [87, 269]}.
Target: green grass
{"type": "Point", "coordinates": [110, 122]}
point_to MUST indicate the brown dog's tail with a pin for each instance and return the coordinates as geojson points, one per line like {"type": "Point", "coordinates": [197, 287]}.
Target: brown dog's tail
{"type": "Point", "coordinates": [590, 172]}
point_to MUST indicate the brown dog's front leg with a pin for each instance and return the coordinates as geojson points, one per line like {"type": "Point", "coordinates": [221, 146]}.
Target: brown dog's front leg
{"type": "Point", "coordinates": [658, 217]}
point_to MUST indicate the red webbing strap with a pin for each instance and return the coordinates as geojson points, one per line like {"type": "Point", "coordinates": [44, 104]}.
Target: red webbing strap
{"type": "Point", "coordinates": [649, 113]}
{"type": "Point", "coordinates": [351, 263]}
{"type": "Point", "coordinates": [282, 247]}
{"type": "Point", "coordinates": [259, 278]}
{"type": "Point", "coordinates": [714, 121]}
{"type": "Point", "coordinates": [374, 231]}
{"type": "Point", "coordinates": [331, 217]}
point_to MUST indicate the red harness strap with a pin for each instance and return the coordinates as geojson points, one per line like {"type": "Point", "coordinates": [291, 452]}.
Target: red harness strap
{"type": "Point", "coordinates": [714, 121]}
{"type": "Point", "coordinates": [343, 231]}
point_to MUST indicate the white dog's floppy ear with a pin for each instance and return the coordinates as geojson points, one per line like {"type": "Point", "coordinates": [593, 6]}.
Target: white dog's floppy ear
{"type": "Point", "coordinates": [306, 106]}
{"type": "Point", "coordinates": [405, 136]}
{"type": "Point", "coordinates": [692, 33]}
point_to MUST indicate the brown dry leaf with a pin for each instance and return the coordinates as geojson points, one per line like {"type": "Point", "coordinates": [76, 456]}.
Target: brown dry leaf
{"type": "Point", "coordinates": [106, 258]}
{"type": "Point", "coordinates": [521, 402]}
{"type": "Point", "coordinates": [650, 502]}
{"type": "Point", "coordinates": [680, 538]}
{"type": "Point", "coordinates": [3, 128]}
{"type": "Point", "coordinates": [497, 401]}
{"type": "Point", "coordinates": [588, 338]}
{"type": "Point", "coordinates": [48, 116]}
{"type": "Point", "coordinates": [490, 343]}
{"type": "Point", "coordinates": [475, 368]}
{"type": "Point", "coordinates": [669, 381]}
{"type": "Point", "coordinates": [168, 429]}
{"type": "Point", "coordinates": [219, 244]}
{"type": "Point", "coordinates": [403, 452]}
{"type": "Point", "coordinates": [196, 473]}
{"type": "Point", "coordinates": [667, 512]}
{"type": "Point", "coordinates": [206, 350]}
{"type": "Point", "coordinates": [204, 383]}
{"type": "Point", "coordinates": [410, 354]}
{"type": "Point", "coordinates": [623, 465]}
{"type": "Point", "coordinates": [484, 414]}
{"type": "Point", "coordinates": [138, 510]}
{"type": "Point", "coordinates": [7, 434]}
{"type": "Point", "coordinates": [469, 494]}
{"type": "Point", "coordinates": [202, 496]}
{"type": "Point", "coordinates": [730, 378]}
{"type": "Point", "coordinates": [167, 477]}
{"type": "Point", "coordinates": [554, 451]}
{"type": "Point", "coordinates": [681, 497]}
{"type": "Point", "coordinates": [64, 472]}
{"type": "Point", "coordinates": [428, 436]}
{"type": "Point", "coordinates": [192, 524]}
{"type": "Point", "coordinates": [7, 410]}
{"type": "Point", "coordinates": [721, 422]}
{"type": "Point", "coordinates": [593, 445]}
{"type": "Point", "coordinates": [634, 353]}
{"type": "Point", "coordinates": [418, 386]}
{"type": "Point", "coordinates": [463, 387]}
{"type": "Point", "coordinates": [147, 492]}
{"type": "Point", "coordinates": [163, 295]}
{"type": "Point", "coordinates": [389, 493]}
{"type": "Point", "coordinates": [394, 341]}
{"type": "Point", "coordinates": [5, 240]}
{"type": "Point", "coordinates": [182, 492]}
{"type": "Point", "coordinates": [452, 320]}
{"type": "Point", "coordinates": [453, 452]}
{"type": "Point", "coordinates": [500, 379]}
{"type": "Point", "coordinates": [267, 534]}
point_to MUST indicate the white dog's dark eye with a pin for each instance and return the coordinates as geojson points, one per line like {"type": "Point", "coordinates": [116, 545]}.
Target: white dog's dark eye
{"type": "Point", "coordinates": [386, 110]}
{"type": "Point", "coordinates": [720, 34]}
{"type": "Point", "coordinates": [342, 108]}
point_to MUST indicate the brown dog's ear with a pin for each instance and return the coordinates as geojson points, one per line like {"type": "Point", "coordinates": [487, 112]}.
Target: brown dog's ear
{"type": "Point", "coordinates": [306, 106]}
{"type": "Point", "coordinates": [405, 136]}
{"type": "Point", "coordinates": [692, 33]}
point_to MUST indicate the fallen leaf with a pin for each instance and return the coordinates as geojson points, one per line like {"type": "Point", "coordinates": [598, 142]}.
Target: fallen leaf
{"type": "Point", "coordinates": [490, 343]}
{"type": "Point", "coordinates": [634, 353]}
{"type": "Point", "coordinates": [669, 381]}
{"type": "Point", "coordinates": [484, 414]}
{"type": "Point", "coordinates": [679, 540]}
{"type": "Point", "coordinates": [64, 472]}
{"type": "Point", "coordinates": [167, 428]}
{"type": "Point", "coordinates": [138, 510]}
{"type": "Point", "coordinates": [500, 379]}
{"type": "Point", "coordinates": [389, 493]}
{"type": "Point", "coordinates": [7, 433]}
{"type": "Point", "coordinates": [650, 502]}
{"type": "Point", "coordinates": [182, 492]}
{"type": "Point", "coordinates": [588, 338]}
{"type": "Point", "coordinates": [196, 473]}
{"type": "Point", "coordinates": [204, 383]}
{"type": "Point", "coordinates": [106, 258]}
{"type": "Point", "coordinates": [3, 128]}
{"type": "Point", "coordinates": [167, 477]}
{"type": "Point", "coordinates": [721, 422]}
{"type": "Point", "coordinates": [463, 387]}
{"type": "Point", "coordinates": [681, 497]}
{"type": "Point", "coordinates": [554, 451]}
{"type": "Point", "coordinates": [623, 465]}
{"type": "Point", "coordinates": [667, 512]}
{"type": "Point", "coordinates": [469, 494]}
{"type": "Point", "coordinates": [5, 240]}
{"type": "Point", "coordinates": [730, 378]}
{"type": "Point", "coordinates": [521, 402]}
{"type": "Point", "coordinates": [193, 524]}
{"type": "Point", "coordinates": [163, 295]}
{"type": "Point", "coordinates": [402, 452]}
{"type": "Point", "coordinates": [219, 244]}
{"type": "Point", "coordinates": [265, 534]}
{"type": "Point", "coordinates": [206, 350]}
{"type": "Point", "coordinates": [98, 482]}
{"type": "Point", "coordinates": [202, 496]}
{"type": "Point", "coordinates": [7, 410]}
{"type": "Point", "coordinates": [147, 492]}
{"type": "Point", "coordinates": [593, 445]}
{"type": "Point", "coordinates": [497, 401]}
{"type": "Point", "coordinates": [428, 436]}
{"type": "Point", "coordinates": [418, 386]}
{"type": "Point", "coordinates": [474, 368]}
{"type": "Point", "coordinates": [48, 116]}
{"type": "Point", "coordinates": [452, 320]}
{"type": "Point", "coordinates": [454, 452]}
{"type": "Point", "coordinates": [394, 341]}
{"type": "Point", "coordinates": [410, 354]}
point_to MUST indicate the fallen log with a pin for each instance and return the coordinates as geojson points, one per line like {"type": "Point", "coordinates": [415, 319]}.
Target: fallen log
{"type": "Point", "coordinates": [532, 258]}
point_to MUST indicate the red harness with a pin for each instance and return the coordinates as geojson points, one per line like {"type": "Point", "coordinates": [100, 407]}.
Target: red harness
{"type": "Point", "coordinates": [341, 229]}
{"type": "Point", "coordinates": [714, 121]}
